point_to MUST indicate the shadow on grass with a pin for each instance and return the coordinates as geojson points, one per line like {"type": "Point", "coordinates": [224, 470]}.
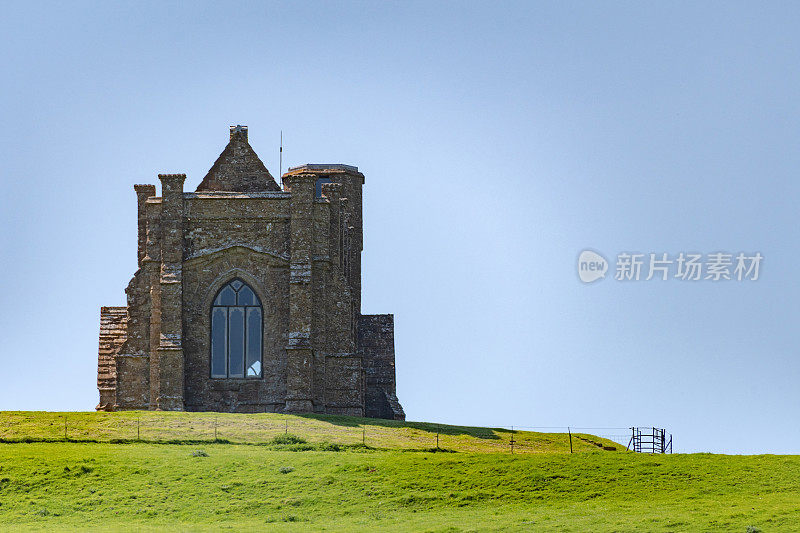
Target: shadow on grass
{"type": "Point", "coordinates": [442, 429]}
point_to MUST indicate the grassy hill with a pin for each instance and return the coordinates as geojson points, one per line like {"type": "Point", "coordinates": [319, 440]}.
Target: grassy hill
{"type": "Point", "coordinates": [154, 426]}
{"type": "Point", "coordinates": [286, 485]}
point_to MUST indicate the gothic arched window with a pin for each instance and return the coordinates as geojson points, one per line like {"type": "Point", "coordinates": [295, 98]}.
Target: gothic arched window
{"type": "Point", "coordinates": [236, 332]}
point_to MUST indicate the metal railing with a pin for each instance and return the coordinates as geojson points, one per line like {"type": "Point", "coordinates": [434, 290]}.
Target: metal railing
{"type": "Point", "coordinates": [650, 440]}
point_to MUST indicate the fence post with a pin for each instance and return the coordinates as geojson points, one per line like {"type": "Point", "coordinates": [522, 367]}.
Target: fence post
{"type": "Point", "coordinates": [437, 436]}
{"type": "Point", "coordinates": [570, 439]}
{"type": "Point", "coordinates": [511, 442]}
{"type": "Point", "coordinates": [215, 429]}
{"type": "Point", "coordinates": [286, 431]}
{"type": "Point", "coordinates": [364, 435]}
{"type": "Point", "coordinates": [65, 427]}
{"type": "Point", "coordinates": [137, 428]}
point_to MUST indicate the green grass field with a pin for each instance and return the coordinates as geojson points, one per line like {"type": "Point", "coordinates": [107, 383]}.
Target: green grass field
{"type": "Point", "coordinates": [153, 426]}
{"type": "Point", "coordinates": [206, 486]}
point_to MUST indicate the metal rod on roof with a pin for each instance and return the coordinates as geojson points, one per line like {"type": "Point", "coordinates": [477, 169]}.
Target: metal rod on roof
{"type": "Point", "coordinates": [280, 167]}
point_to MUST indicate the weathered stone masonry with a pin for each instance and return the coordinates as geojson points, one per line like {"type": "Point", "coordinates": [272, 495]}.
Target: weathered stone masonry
{"type": "Point", "coordinates": [298, 249]}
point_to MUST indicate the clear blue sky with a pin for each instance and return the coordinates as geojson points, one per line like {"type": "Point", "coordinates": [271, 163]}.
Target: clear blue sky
{"type": "Point", "coordinates": [498, 141]}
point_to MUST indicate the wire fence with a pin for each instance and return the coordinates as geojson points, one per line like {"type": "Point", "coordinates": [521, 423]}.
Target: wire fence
{"type": "Point", "coordinates": [310, 430]}
{"type": "Point", "coordinates": [620, 435]}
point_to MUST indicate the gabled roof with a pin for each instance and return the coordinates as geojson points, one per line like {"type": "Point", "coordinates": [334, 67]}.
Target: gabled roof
{"type": "Point", "coordinates": [238, 168]}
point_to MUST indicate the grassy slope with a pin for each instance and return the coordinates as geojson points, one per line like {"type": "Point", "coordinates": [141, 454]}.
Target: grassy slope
{"type": "Point", "coordinates": [259, 428]}
{"type": "Point", "coordinates": [156, 486]}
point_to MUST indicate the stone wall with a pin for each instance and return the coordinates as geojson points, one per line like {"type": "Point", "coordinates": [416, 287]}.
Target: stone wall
{"type": "Point", "coordinates": [113, 333]}
{"type": "Point", "coordinates": [376, 344]}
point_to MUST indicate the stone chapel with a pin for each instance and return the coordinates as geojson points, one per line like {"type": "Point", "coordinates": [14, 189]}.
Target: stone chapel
{"type": "Point", "coordinates": [247, 297]}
